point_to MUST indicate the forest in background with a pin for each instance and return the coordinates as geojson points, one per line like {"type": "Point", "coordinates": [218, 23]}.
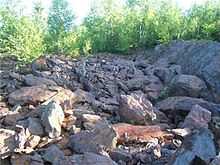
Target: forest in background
{"type": "Point", "coordinates": [110, 26]}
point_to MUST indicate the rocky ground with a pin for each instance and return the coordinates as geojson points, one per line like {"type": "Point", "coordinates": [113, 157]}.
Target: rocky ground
{"type": "Point", "coordinates": [159, 107]}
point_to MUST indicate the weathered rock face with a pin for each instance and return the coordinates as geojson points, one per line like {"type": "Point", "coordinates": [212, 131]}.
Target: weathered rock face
{"type": "Point", "coordinates": [52, 117]}
{"type": "Point", "coordinates": [182, 103]}
{"type": "Point", "coordinates": [18, 159]}
{"type": "Point", "coordinates": [32, 80]}
{"type": "Point", "coordinates": [200, 58]}
{"type": "Point", "coordinates": [187, 85]}
{"type": "Point", "coordinates": [93, 141]}
{"type": "Point", "coordinates": [197, 118]}
{"type": "Point", "coordinates": [53, 154]}
{"type": "Point", "coordinates": [198, 146]}
{"type": "Point", "coordinates": [136, 108]}
{"type": "Point", "coordinates": [7, 142]}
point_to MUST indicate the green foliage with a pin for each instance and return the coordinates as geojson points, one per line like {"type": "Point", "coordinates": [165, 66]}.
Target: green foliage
{"type": "Point", "coordinates": [20, 37]}
{"type": "Point", "coordinates": [60, 22]}
{"type": "Point", "coordinates": [110, 26]}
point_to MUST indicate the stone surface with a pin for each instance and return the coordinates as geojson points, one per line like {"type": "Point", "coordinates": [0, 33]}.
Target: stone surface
{"type": "Point", "coordinates": [52, 117]}
{"type": "Point", "coordinates": [32, 141]}
{"type": "Point", "coordinates": [128, 133]}
{"type": "Point", "coordinates": [90, 121]}
{"type": "Point", "coordinates": [93, 141]}
{"type": "Point", "coordinates": [7, 142]}
{"type": "Point", "coordinates": [182, 103]}
{"type": "Point", "coordinates": [35, 127]}
{"type": "Point", "coordinates": [198, 145]}
{"type": "Point", "coordinates": [32, 80]}
{"type": "Point", "coordinates": [187, 85]}
{"type": "Point", "coordinates": [136, 108]}
{"type": "Point", "coordinates": [120, 155]}
{"type": "Point", "coordinates": [197, 118]}
{"type": "Point", "coordinates": [52, 154]}
{"type": "Point", "coordinates": [87, 158]}
{"type": "Point", "coordinates": [18, 159]}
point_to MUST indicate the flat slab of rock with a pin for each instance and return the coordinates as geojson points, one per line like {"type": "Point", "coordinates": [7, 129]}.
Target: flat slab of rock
{"type": "Point", "coordinates": [38, 94]}
{"type": "Point", "coordinates": [136, 108]}
{"type": "Point", "coordinates": [198, 117]}
{"type": "Point", "coordinates": [32, 80]}
{"type": "Point", "coordinates": [93, 141]}
{"type": "Point", "coordinates": [7, 142]}
{"type": "Point", "coordinates": [198, 145]}
{"type": "Point", "coordinates": [127, 132]}
{"type": "Point", "coordinates": [183, 103]}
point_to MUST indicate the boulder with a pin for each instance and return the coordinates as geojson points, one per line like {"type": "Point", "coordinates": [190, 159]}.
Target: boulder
{"type": "Point", "coordinates": [138, 133]}
{"type": "Point", "coordinates": [7, 142]}
{"type": "Point", "coordinates": [18, 159]}
{"type": "Point", "coordinates": [182, 103]}
{"type": "Point", "coordinates": [52, 154]}
{"type": "Point", "coordinates": [38, 94]}
{"type": "Point", "coordinates": [120, 155]}
{"type": "Point", "coordinates": [198, 117]}
{"type": "Point", "coordinates": [187, 85]}
{"type": "Point", "coordinates": [136, 108]}
{"type": "Point", "coordinates": [87, 158]}
{"type": "Point", "coordinates": [90, 121]}
{"type": "Point", "coordinates": [201, 58]}
{"type": "Point", "coordinates": [35, 127]}
{"type": "Point", "coordinates": [32, 80]}
{"type": "Point", "coordinates": [52, 117]}
{"type": "Point", "coordinates": [196, 147]}
{"type": "Point", "coordinates": [93, 141]}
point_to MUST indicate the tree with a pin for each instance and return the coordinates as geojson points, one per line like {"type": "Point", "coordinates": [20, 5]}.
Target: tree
{"type": "Point", "coordinates": [60, 22]}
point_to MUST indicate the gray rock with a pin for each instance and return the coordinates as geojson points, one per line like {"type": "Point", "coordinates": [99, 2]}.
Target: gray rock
{"type": "Point", "coordinates": [87, 158]}
{"type": "Point", "coordinates": [182, 103]}
{"type": "Point", "coordinates": [32, 80]}
{"type": "Point", "coordinates": [187, 85]}
{"type": "Point", "coordinates": [199, 145]}
{"type": "Point", "coordinates": [95, 140]}
{"type": "Point", "coordinates": [52, 117]}
{"type": "Point", "coordinates": [136, 108]}
{"type": "Point", "coordinates": [120, 155]}
{"type": "Point", "coordinates": [35, 127]}
{"type": "Point", "coordinates": [52, 154]}
{"type": "Point", "coordinates": [201, 58]}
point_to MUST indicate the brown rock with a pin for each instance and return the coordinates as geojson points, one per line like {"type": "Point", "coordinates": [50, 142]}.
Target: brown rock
{"type": "Point", "coordinates": [127, 132]}
{"type": "Point", "coordinates": [7, 142]}
{"type": "Point", "coordinates": [198, 117]}
{"type": "Point", "coordinates": [32, 141]}
{"type": "Point", "coordinates": [135, 108]}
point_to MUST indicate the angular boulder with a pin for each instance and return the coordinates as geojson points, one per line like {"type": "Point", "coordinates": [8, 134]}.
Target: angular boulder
{"type": "Point", "coordinates": [136, 108]}
{"type": "Point", "coordinates": [103, 136]}
{"type": "Point", "coordinates": [187, 85]}
{"type": "Point", "coordinates": [52, 117]}
{"type": "Point", "coordinates": [198, 117]}
{"type": "Point", "coordinates": [52, 154]}
{"type": "Point", "coordinates": [198, 146]}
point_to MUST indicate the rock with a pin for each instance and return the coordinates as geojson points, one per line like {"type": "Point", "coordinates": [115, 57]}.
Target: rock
{"type": "Point", "coordinates": [87, 158]}
{"type": "Point", "coordinates": [7, 142]}
{"type": "Point", "coordinates": [200, 58]}
{"type": "Point", "coordinates": [20, 138]}
{"type": "Point", "coordinates": [52, 117]}
{"type": "Point", "coordinates": [120, 155]}
{"type": "Point", "coordinates": [35, 127]}
{"type": "Point", "coordinates": [187, 85]}
{"type": "Point", "coordinates": [52, 154]}
{"type": "Point", "coordinates": [32, 141]}
{"type": "Point", "coordinates": [136, 108]}
{"type": "Point", "coordinates": [93, 141]}
{"type": "Point", "coordinates": [18, 159]}
{"type": "Point", "coordinates": [196, 147]}
{"type": "Point", "coordinates": [216, 161]}
{"type": "Point", "coordinates": [197, 118]}
{"type": "Point", "coordinates": [32, 80]}
{"type": "Point", "coordinates": [38, 94]}
{"type": "Point", "coordinates": [182, 103]}
{"type": "Point", "coordinates": [130, 133]}
{"type": "Point", "coordinates": [90, 121]}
